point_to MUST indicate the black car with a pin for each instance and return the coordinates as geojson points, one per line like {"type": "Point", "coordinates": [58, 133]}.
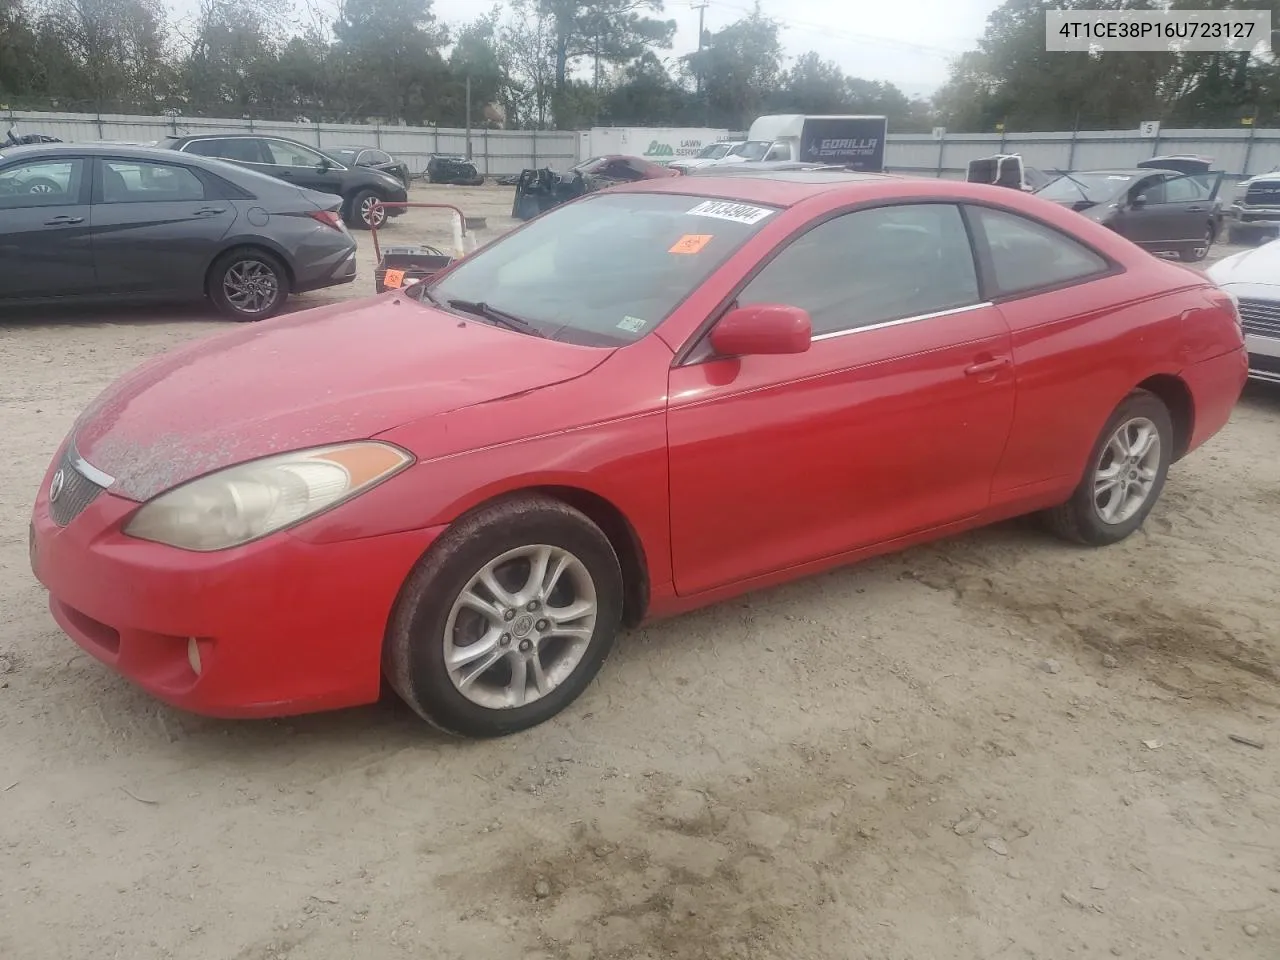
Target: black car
{"type": "Point", "coordinates": [362, 189]}
{"type": "Point", "coordinates": [373, 158]}
{"type": "Point", "coordinates": [113, 222]}
{"type": "Point", "coordinates": [442, 168]}
{"type": "Point", "coordinates": [1163, 210]}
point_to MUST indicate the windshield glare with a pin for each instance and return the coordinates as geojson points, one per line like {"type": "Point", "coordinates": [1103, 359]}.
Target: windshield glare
{"type": "Point", "coordinates": [1093, 187]}
{"type": "Point", "coordinates": [607, 269]}
{"type": "Point", "coordinates": [713, 152]}
{"type": "Point", "coordinates": [754, 149]}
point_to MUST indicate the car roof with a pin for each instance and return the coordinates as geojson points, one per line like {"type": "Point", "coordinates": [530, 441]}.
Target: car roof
{"type": "Point", "coordinates": [140, 151]}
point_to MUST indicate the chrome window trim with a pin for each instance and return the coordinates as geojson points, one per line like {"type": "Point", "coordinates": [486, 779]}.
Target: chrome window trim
{"type": "Point", "coordinates": [901, 321]}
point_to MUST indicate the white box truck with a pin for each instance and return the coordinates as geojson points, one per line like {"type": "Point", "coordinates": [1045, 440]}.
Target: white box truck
{"type": "Point", "coordinates": [854, 141]}
{"type": "Point", "coordinates": [657, 144]}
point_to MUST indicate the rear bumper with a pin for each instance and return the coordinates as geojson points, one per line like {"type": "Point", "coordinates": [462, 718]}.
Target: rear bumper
{"type": "Point", "coordinates": [328, 272]}
{"type": "Point", "coordinates": [1215, 386]}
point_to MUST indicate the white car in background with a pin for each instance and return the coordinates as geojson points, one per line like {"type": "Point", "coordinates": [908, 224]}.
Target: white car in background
{"type": "Point", "coordinates": [1253, 278]}
{"type": "Point", "coordinates": [724, 152]}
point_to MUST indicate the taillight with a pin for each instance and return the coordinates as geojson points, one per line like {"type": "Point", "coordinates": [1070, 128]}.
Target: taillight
{"type": "Point", "coordinates": [328, 217]}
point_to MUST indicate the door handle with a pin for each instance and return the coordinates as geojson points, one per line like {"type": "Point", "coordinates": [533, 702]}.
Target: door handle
{"type": "Point", "coordinates": [58, 221]}
{"type": "Point", "coordinates": [1196, 209]}
{"type": "Point", "coordinates": [209, 211]}
{"type": "Point", "coordinates": [986, 368]}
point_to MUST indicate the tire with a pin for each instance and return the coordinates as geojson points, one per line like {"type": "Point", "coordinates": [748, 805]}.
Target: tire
{"type": "Point", "coordinates": [1200, 251]}
{"type": "Point", "coordinates": [430, 619]}
{"type": "Point", "coordinates": [1082, 519]}
{"type": "Point", "coordinates": [250, 267]}
{"type": "Point", "coordinates": [363, 206]}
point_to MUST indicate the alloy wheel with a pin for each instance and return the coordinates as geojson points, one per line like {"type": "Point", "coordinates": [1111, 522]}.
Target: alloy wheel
{"type": "Point", "coordinates": [520, 627]}
{"type": "Point", "coordinates": [251, 286]}
{"type": "Point", "coordinates": [1126, 472]}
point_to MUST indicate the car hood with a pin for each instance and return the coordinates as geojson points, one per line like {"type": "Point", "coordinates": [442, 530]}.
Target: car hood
{"type": "Point", "coordinates": [1257, 267]}
{"type": "Point", "coordinates": [344, 372]}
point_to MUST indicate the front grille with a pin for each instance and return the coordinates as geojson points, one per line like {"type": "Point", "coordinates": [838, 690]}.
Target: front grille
{"type": "Point", "coordinates": [1263, 194]}
{"type": "Point", "coordinates": [70, 491]}
{"type": "Point", "coordinates": [1260, 317]}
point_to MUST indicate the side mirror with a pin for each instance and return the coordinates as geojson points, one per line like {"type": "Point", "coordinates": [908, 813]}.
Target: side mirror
{"type": "Point", "coordinates": [324, 165]}
{"type": "Point", "coordinates": [1139, 201]}
{"type": "Point", "coordinates": [762, 328]}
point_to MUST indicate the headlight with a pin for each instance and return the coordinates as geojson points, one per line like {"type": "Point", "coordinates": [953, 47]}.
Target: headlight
{"type": "Point", "coordinates": [251, 500]}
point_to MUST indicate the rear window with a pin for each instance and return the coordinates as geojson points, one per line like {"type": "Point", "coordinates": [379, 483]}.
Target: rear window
{"type": "Point", "coordinates": [607, 269]}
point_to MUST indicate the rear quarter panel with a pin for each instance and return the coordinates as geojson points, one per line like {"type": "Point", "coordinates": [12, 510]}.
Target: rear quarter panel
{"type": "Point", "coordinates": [1079, 351]}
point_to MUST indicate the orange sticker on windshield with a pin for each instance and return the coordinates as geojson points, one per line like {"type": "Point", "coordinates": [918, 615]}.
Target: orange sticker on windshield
{"type": "Point", "coordinates": [393, 278]}
{"type": "Point", "coordinates": [691, 243]}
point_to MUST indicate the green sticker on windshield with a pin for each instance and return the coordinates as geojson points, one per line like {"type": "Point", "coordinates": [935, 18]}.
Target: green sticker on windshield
{"type": "Point", "coordinates": [632, 324]}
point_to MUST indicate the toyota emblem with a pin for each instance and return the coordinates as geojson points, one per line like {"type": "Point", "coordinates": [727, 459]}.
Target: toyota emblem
{"type": "Point", "coordinates": [56, 484]}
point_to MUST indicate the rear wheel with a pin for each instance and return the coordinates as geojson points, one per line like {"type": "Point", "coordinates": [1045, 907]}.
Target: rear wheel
{"type": "Point", "coordinates": [1198, 251]}
{"type": "Point", "coordinates": [365, 211]}
{"type": "Point", "coordinates": [1126, 473]}
{"type": "Point", "coordinates": [506, 619]}
{"type": "Point", "coordinates": [248, 284]}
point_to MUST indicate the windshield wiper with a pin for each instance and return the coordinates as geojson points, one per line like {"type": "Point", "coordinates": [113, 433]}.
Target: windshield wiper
{"type": "Point", "coordinates": [500, 317]}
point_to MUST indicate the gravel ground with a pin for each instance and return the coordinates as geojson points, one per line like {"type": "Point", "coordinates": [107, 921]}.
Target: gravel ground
{"type": "Point", "coordinates": [997, 746]}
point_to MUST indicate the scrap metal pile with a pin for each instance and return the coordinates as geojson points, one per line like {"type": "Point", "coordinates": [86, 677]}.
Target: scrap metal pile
{"type": "Point", "coordinates": [541, 189]}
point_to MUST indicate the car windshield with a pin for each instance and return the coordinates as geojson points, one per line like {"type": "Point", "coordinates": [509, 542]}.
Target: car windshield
{"type": "Point", "coordinates": [1093, 187]}
{"type": "Point", "coordinates": [607, 269]}
{"type": "Point", "coordinates": [753, 149]}
{"type": "Point", "coordinates": [713, 151]}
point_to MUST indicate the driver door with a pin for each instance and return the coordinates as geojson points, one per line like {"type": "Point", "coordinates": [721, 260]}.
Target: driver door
{"type": "Point", "coordinates": [893, 421]}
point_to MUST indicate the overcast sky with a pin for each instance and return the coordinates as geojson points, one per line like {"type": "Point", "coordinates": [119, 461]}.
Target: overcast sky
{"type": "Point", "coordinates": [907, 42]}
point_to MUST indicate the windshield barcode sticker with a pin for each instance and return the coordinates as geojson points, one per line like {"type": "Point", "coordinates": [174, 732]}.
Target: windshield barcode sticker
{"type": "Point", "coordinates": [737, 212]}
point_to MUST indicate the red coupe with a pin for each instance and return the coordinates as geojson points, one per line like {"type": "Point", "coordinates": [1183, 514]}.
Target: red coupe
{"type": "Point", "coordinates": [644, 401]}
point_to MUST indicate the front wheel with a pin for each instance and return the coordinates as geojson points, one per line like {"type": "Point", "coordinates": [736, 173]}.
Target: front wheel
{"type": "Point", "coordinates": [365, 211]}
{"type": "Point", "coordinates": [506, 619]}
{"type": "Point", "coordinates": [248, 284]}
{"type": "Point", "coordinates": [1126, 473]}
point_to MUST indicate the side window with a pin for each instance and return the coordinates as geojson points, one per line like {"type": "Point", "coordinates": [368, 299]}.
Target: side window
{"type": "Point", "coordinates": [375, 156]}
{"type": "Point", "coordinates": [41, 183]}
{"type": "Point", "coordinates": [1184, 190]}
{"type": "Point", "coordinates": [133, 181]}
{"type": "Point", "coordinates": [239, 149]}
{"type": "Point", "coordinates": [779, 151]}
{"type": "Point", "coordinates": [1152, 189]}
{"type": "Point", "coordinates": [292, 155]}
{"type": "Point", "coordinates": [873, 266]}
{"type": "Point", "coordinates": [1026, 255]}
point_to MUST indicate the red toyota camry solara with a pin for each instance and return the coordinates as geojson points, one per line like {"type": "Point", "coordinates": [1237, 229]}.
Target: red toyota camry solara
{"type": "Point", "coordinates": [646, 400]}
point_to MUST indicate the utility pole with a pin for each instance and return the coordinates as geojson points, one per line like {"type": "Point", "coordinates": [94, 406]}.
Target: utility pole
{"type": "Point", "coordinates": [468, 116]}
{"type": "Point", "coordinates": [699, 83]}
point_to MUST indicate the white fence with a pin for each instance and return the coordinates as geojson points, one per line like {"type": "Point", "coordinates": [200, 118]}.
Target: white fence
{"type": "Point", "coordinates": [1240, 152]}
{"type": "Point", "coordinates": [496, 152]}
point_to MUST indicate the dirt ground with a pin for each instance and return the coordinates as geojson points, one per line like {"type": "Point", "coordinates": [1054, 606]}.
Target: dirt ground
{"type": "Point", "coordinates": [997, 747]}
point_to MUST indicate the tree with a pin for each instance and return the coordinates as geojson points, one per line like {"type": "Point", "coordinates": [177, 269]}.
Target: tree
{"type": "Point", "coordinates": [741, 68]}
{"type": "Point", "coordinates": [476, 55]}
{"type": "Point", "coordinates": [645, 93]}
{"type": "Point", "coordinates": [607, 31]}
{"type": "Point", "coordinates": [814, 85]}
{"type": "Point", "coordinates": [391, 58]}
{"type": "Point", "coordinates": [115, 49]}
{"type": "Point", "coordinates": [526, 45]}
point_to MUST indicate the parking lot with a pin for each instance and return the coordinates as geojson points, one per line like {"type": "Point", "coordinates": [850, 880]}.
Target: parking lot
{"type": "Point", "coordinates": [998, 746]}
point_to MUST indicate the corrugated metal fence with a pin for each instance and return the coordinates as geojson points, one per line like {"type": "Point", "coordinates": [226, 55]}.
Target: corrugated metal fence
{"type": "Point", "coordinates": [1240, 152]}
{"type": "Point", "coordinates": [496, 152]}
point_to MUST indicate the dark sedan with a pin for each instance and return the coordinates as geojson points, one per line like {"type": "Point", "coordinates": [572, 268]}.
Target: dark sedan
{"type": "Point", "coordinates": [374, 159]}
{"type": "Point", "coordinates": [1165, 211]}
{"type": "Point", "coordinates": [104, 221]}
{"type": "Point", "coordinates": [363, 190]}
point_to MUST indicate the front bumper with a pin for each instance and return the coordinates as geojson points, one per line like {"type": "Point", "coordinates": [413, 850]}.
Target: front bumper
{"type": "Point", "coordinates": [282, 626]}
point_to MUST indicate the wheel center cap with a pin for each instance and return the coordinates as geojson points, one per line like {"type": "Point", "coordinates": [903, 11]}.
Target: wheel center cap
{"type": "Point", "coordinates": [522, 626]}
